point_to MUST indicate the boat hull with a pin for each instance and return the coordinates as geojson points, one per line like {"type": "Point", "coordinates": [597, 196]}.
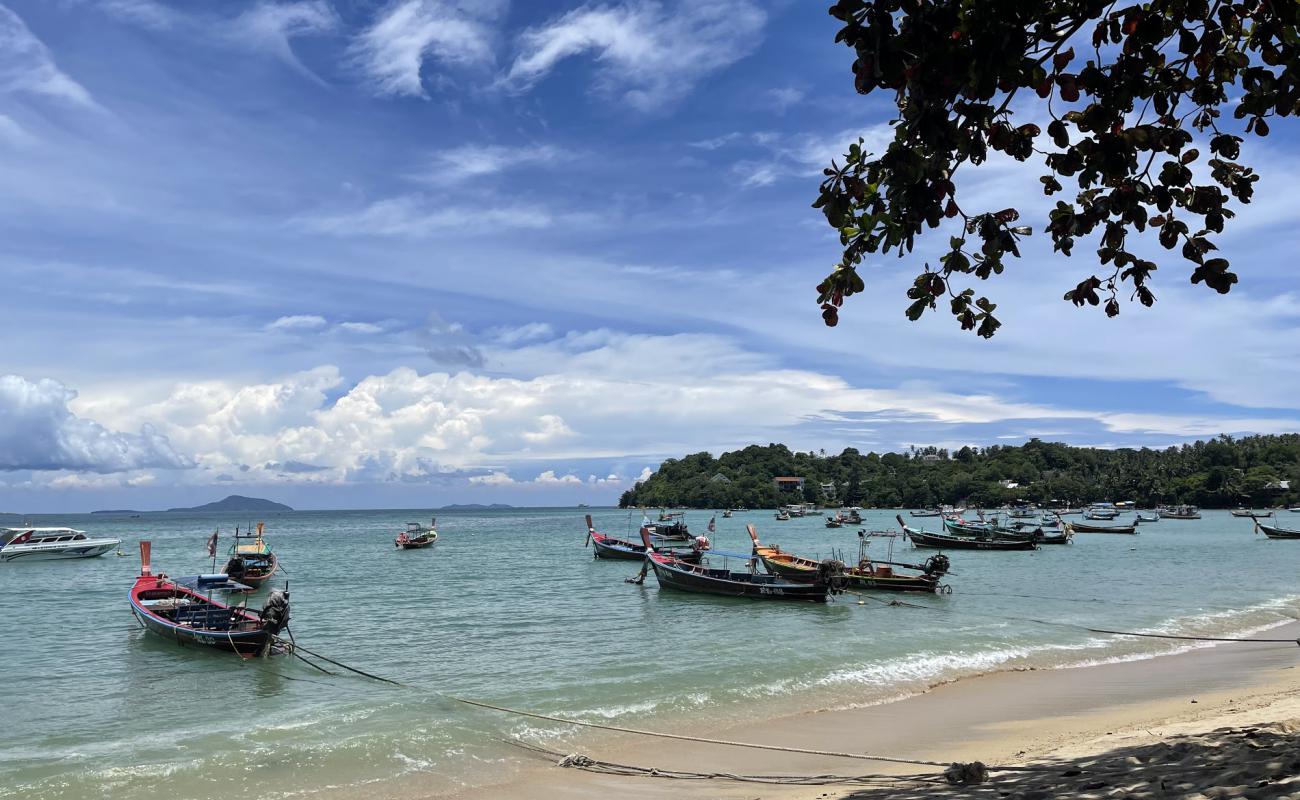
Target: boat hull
{"type": "Point", "coordinates": [88, 549]}
{"type": "Point", "coordinates": [1079, 527]}
{"type": "Point", "coordinates": [1273, 532]}
{"type": "Point", "coordinates": [937, 541]}
{"type": "Point", "coordinates": [617, 550]}
{"type": "Point", "coordinates": [735, 584]}
{"type": "Point", "coordinates": [244, 643]}
{"type": "Point", "coordinates": [855, 579]}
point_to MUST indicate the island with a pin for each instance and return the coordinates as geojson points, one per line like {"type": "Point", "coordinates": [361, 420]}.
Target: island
{"type": "Point", "coordinates": [475, 507]}
{"type": "Point", "coordinates": [238, 503]}
{"type": "Point", "coordinates": [118, 511]}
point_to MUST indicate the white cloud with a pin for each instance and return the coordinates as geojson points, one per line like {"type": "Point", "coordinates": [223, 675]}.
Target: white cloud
{"type": "Point", "coordinates": [648, 54]}
{"type": "Point", "coordinates": [524, 333]}
{"type": "Point", "coordinates": [495, 478]}
{"type": "Point", "coordinates": [459, 164]}
{"type": "Point", "coordinates": [784, 97]}
{"type": "Point", "coordinates": [269, 27]}
{"type": "Point", "coordinates": [39, 432]}
{"type": "Point", "coordinates": [146, 13]}
{"type": "Point", "coordinates": [360, 327]}
{"type": "Point", "coordinates": [392, 51]}
{"type": "Point", "coordinates": [27, 66]}
{"type": "Point", "coordinates": [418, 216]}
{"type": "Point", "coordinates": [298, 322]}
{"type": "Point", "coordinates": [549, 478]}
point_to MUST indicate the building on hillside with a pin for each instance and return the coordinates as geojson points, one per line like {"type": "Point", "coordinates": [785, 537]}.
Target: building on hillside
{"type": "Point", "coordinates": [1278, 486]}
{"type": "Point", "coordinates": [929, 458]}
{"type": "Point", "coordinates": [828, 488]}
{"type": "Point", "coordinates": [719, 478]}
{"type": "Point", "coordinates": [1008, 484]}
{"type": "Point", "coordinates": [788, 484]}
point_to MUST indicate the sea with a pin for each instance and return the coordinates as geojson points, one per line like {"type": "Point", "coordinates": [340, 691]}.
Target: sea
{"type": "Point", "coordinates": [510, 608]}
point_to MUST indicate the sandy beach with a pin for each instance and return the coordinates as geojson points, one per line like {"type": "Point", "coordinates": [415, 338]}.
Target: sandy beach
{"type": "Point", "coordinates": [1206, 721]}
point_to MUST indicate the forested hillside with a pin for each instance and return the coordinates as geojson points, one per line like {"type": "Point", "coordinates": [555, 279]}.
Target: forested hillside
{"type": "Point", "coordinates": [1222, 472]}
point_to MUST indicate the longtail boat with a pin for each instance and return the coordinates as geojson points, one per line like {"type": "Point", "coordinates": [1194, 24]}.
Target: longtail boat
{"type": "Point", "coordinates": [675, 573]}
{"type": "Point", "coordinates": [1083, 527]}
{"type": "Point", "coordinates": [251, 560]}
{"type": "Point", "coordinates": [867, 574]}
{"type": "Point", "coordinates": [417, 535]}
{"type": "Point", "coordinates": [943, 541]}
{"type": "Point", "coordinates": [186, 616]}
{"type": "Point", "coordinates": [929, 512]}
{"type": "Point", "coordinates": [605, 546]}
{"type": "Point", "coordinates": [1247, 512]}
{"type": "Point", "coordinates": [1181, 512]}
{"type": "Point", "coordinates": [1274, 532]}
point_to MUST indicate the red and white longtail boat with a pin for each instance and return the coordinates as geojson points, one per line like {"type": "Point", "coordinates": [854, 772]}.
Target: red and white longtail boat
{"type": "Point", "coordinates": [186, 616]}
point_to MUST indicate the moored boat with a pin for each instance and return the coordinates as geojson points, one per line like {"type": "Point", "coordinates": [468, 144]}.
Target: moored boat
{"type": "Point", "coordinates": [1154, 516]}
{"type": "Point", "coordinates": [1247, 512]}
{"type": "Point", "coordinates": [187, 616]}
{"type": "Point", "coordinates": [417, 535]}
{"type": "Point", "coordinates": [45, 544]}
{"type": "Point", "coordinates": [251, 560]}
{"type": "Point", "coordinates": [985, 541]}
{"type": "Point", "coordinates": [1274, 532]}
{"type": "Point", "coordinates": [925, 512]}
{"type": "Point", "coordinates": [1083, 527]}
{"type": "Point", "coordinates": [703, 578]}
{"type": "Point", "coordinates": [610, 547]}
{"type": "Point", "coordinates": [867, 574]}
{"type": "Point", "coordinates": [1181, 512]}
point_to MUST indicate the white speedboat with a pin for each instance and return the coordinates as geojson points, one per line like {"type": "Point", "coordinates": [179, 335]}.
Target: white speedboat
{"type": "Point", "coordinates": [41, 544]}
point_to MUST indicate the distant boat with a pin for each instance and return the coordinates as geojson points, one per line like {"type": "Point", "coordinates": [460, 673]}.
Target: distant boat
{"type": "Point", "coordinates": [927, 512]}
{"type": "Point", "coordinates": [834, 522]}
{"type": "Point", "coordinates": [186, 616]}
{"type": "Point", "coordinates": [46, 544]}
{"type": "Point", "coordinates": [726, 514]}
{"type": "Point", "coordinates": [417, 535]}
{"type": "Point", "coordinates": [782, 515]}
{"type": "Point", "coordinates": [1083, 527]}
{"type": "Point", "coordinates": [1181, 512]}
{"type": "Point", "coordinates": [1246, 512]}
{"type": "Point", "coordinates": [1152, 517]}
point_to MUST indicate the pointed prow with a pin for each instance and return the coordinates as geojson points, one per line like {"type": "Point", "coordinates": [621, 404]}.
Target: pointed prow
{"type": "Point", "coordinates": [753, 534]}
{"type": "Point", "coordinates": [645, 537]}
{"type": "Point", "coordinates": [146, 549]}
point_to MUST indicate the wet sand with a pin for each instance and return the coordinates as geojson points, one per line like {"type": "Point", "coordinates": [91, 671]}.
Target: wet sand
{"type": "Point", "coordinates": [1062, 717]}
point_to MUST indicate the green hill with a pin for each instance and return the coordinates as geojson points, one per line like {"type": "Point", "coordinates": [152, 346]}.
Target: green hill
{"type": "Point", "coordinates": [1220, 473]}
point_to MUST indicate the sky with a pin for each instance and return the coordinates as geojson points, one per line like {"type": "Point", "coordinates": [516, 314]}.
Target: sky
{"type": "Point", "coordinates": [406, 253]}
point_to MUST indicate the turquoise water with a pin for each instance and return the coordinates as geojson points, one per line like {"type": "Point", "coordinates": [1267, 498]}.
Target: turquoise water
{"type": "Point", "coordinates": [509, 608]}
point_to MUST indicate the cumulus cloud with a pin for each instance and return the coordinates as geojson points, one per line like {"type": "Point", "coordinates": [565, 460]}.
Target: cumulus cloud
{"type": "Point", "coordinates": [392, 51]}
{"type": "Point", "coordinates": [298, 322]}
{"type": "Point", "coordinates": [360, 327]}
{"type": "Point", "coordinates": [648, 54]}
{"type": "Point", "coordinates": [39, 432]}
{"type": "Point", "coordinates": [549, 478]}
{"type": "Point", "coordinates": [270, 26]}
{"type": "Point", "coordinates": [27, 66]}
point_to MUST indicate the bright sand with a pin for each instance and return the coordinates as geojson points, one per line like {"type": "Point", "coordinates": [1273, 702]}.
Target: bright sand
{"type": "Point", "coordinates": [1156, 705]}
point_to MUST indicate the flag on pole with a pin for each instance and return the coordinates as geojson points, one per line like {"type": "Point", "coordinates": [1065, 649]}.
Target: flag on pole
{"type": "Point", "coordinates": [712, 524]}
{"type": "Point", "coordinates": [212, 545]}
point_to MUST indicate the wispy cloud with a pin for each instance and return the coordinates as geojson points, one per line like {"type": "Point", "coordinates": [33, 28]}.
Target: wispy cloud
{"type": "Point", "coordinates": [298, 322]}
{"type": "Point", "coordinates": [459, 164]}
{"type": "Point", "coordinates": [392, 51]}
{"type": "Point", "coordinates": [146, 13]}
{"type": "Point", "coordinates": [360, 327]}
{"type": "Point", "coordinates": [270, 26]}
{"type": "Point", "coordinates": [27, 66]}
{"type": "Point", "coordinates": [783, 97]}
{"type": "Point", "coordinates": [419, 216]}
{"type": "Point", "coordinates": [649, 55]}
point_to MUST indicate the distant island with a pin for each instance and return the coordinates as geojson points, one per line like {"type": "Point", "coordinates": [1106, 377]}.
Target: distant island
{"type": "Point", "coordinates": [474, 507]}
{"type": "Point", "coordinates": [238, 503]}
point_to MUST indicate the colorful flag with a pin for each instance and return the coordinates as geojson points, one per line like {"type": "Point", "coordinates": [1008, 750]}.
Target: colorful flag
{"type": "Point", "coordinates": [212, 545]}
{"type": "Point", "coordinates": [712, 524]}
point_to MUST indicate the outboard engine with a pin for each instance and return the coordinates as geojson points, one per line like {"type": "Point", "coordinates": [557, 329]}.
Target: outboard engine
{"type": "Point", "coordinates": [234, 568]}
{"type": "Point", "coordinates": [937, 565]}
{"type": "Point", "coordinates": [275, 614]}
{"type": "Point", "coordinates": [831, 573]}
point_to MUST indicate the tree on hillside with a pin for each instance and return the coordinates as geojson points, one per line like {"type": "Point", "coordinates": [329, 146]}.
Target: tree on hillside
{"type": "Point", "coordinates": [1147, 106]}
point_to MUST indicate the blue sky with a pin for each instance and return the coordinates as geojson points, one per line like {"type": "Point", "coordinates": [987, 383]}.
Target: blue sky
{"type": "Point", "coordinates": [346, 253]}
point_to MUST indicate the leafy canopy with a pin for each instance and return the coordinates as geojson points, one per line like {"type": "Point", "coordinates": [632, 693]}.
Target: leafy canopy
{"type": "Point", "coordinates": [1148, 82]}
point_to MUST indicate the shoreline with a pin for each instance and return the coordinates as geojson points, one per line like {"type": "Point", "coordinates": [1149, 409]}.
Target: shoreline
{"type": "Point", "coordinates": [1004, 717]}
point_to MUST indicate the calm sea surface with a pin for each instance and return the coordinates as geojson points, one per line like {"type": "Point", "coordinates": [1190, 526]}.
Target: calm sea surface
{"type": "Point", "coordinates": [508, 607]}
